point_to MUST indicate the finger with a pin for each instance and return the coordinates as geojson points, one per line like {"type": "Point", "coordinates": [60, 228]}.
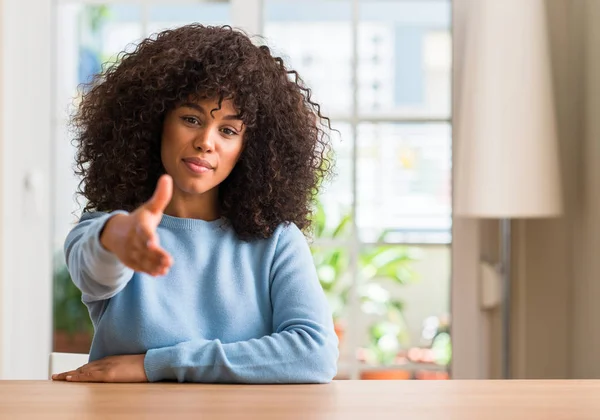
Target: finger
{"type": "Point", "coordinates": [63, 376]}
{"type": "Point", "coordinates": [142, 256]}
{"type": "Point", "coordinates": [164, 265]}
{"type": "Point", "coordinates": [160, 263]}
{"type": "Point", "coordinates": [148, 266]}
{"type": "Point", "coordinates": [154, 261]}
{"type": "Point", "coordinates": [162, 195]}
{"type": "Point", "coordinates": [144, 259]}
{"type": "Point", "coordinates": [155, 258]}
{"type": "Point", "coordinates": [160, 256]}
{"type": "Point", "coordinates": [156, 268]}
{"type": "Point", "coordinates": [87, 376]}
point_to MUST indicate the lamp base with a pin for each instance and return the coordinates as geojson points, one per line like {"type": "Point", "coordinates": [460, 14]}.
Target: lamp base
{"type": "Point", "coordinates": [505, 262]}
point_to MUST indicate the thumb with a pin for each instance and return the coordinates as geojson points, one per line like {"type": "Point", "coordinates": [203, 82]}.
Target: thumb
{"type": "Point", "coordinates": [162, 195]}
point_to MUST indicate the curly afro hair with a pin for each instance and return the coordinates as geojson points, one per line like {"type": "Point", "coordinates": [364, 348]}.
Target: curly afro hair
{"type": "Point", "coordinates": [118, 127]}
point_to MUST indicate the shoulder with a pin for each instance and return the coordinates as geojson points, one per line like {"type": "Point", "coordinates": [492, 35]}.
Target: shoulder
{"type": "Point", "coordinates": [289, 232]}
{"type": "Point", "coordinates": [289, 238]}
{"type": "Point", "coordinates": [90, 215]}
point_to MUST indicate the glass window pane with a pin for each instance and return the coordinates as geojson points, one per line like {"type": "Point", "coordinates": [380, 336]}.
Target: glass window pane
{"type": "Point", "coordinates": [72, 326]}
{"type": "Point", "coordinates": [171, 16]}
{"type": "Point", "coordinates": [119, 28]}
{"type": "Point", "coordinates": [336, 194]}
{"type": "Point", "coordinates": [405, 58]}
{"type": "Point", "coordinates": [88, 36]}
{"type": "Point", "coordinates": [314, 36]}
{"type": "Point", "coordinates": [405, 307]}
{"type": "Point", "coordinates": [66, 209]}
{"type": "Point", "coordinates": [404, 182]}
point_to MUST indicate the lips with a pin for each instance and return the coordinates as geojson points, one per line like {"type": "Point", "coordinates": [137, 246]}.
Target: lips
{"type": "Point", "coordinates": [198, 165]}
{"type": "Point", "coordinates": [198, 162]}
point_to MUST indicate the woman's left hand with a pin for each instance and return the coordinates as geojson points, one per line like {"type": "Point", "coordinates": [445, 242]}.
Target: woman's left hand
{"type": "Point", "coordinates": [128, 368]}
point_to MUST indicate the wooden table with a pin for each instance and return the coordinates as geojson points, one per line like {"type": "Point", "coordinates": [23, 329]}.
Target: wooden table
{"type": "Point", "coordinates": [371, 400]}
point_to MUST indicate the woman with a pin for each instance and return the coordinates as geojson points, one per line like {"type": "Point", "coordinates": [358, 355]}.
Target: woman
{"type": "Point", "coordinates": [200, 155]}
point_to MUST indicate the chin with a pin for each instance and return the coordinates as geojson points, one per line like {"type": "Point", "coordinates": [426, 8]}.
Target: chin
{"type": "Point", "coordinates": [195, 187]}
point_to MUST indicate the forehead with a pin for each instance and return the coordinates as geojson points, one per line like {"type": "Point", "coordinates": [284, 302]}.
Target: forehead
{"type": "Point", "coordinates": [209, 104]}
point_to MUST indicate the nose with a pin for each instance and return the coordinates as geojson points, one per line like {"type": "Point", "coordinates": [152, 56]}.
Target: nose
{"type": "Point", "coordinates": [204, 141]}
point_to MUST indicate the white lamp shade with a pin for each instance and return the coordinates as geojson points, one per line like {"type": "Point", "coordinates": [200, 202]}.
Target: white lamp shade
{"type": "Point", "coordinates": [507, 162]}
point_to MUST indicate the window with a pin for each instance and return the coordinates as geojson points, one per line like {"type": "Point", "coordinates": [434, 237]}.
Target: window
{"type": "Point", "coordinates": [382, 71]}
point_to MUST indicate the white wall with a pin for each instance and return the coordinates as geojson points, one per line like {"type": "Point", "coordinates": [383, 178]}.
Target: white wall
{"type": "Point", "coordinates": [247, 15]}
{"type": "Point", "coordinates": [25, 274]}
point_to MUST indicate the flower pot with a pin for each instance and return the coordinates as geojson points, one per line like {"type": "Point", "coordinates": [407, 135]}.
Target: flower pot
{"type": "Point", "coordinates": [79, 342]}
{"type": "Point", "coordinates": [385, 374]}
{"type": "Point", "coordinates": [339, 331]}
{"type": "Point", "coordinates": [431, 375]}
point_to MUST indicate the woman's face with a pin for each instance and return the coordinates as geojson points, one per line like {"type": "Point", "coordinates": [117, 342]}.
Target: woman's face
{"type": "Point", "coordinates": [199, 150]}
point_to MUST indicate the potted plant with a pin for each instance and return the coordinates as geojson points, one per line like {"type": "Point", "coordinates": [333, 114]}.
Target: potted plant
{"type": "Point", "coordinates": [383, 263]}
{"type": "Point", "coordinates": [332, 264]}
{"type": "Point", "coordinates": [437, 349]}
{"type": "Point", "coordinates": [73, 330]}
{"type": "Point", "coordinates": [388, 334]}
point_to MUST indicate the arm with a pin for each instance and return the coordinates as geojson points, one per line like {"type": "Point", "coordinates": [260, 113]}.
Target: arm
{"type": "Point", "coordinates": [302, 349]}
{"type": "Point", "coordinates": [103, 250]}
{"type": "Point", "coordinates": [98, 273]}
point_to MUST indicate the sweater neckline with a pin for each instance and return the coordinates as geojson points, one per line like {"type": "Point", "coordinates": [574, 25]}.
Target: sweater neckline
{"type": "Point", "coordinates": [191, 224]}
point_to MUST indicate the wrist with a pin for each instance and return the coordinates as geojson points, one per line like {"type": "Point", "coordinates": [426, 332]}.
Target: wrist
{"type": "Point", "coordinates": [110, 232]}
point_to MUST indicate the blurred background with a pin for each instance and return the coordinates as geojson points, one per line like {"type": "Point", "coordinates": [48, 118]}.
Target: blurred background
{"type": "Point", "coordinates": [384, 224]}
{"type": "Point", "coordinates": [415, 289]}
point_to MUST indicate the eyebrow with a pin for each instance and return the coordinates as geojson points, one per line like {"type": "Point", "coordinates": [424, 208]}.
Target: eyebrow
{"type": "Point", "coordinates": [200, 109]}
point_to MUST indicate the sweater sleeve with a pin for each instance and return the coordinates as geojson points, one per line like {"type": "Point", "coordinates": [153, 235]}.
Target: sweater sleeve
{"type": "Point", "coordinates": [302, 349]}
{"type": "Point", "coordinates": [97, 272]}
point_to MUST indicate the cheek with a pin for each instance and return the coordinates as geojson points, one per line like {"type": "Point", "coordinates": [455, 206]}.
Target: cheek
{"type": "Point", "coordinates": [172, 145]}
{"type": "Point", "coordinates": [166, 141]}
{"type": "Point", "coordinates": [232, 156]}
{"type": "Point", "coordinates": [165, 151]}
{"type": "Point", "coordinates": [170, 153]}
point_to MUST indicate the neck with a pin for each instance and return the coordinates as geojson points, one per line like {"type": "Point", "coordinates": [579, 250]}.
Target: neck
{"type": "Point", "coordinates": [194, 206]}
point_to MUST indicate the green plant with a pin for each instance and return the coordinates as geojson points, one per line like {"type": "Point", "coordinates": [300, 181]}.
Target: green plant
{"type": "Point", "coordinates": [377, 265]}
{"type": "Point", "coordinates": [70, 314]}
{"type": "Point", "coordinates": [332, 261]}
{"type": "Point", "coordinates": [441, 343]}
{"type": "Point", "coordinates": [382, 264]}
{"type": "Point", "coordinates": [96, 16]}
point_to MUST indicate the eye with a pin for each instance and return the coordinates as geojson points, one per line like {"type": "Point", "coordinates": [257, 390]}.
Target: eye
{"type": "Point", "coordinates": [191, 120]}
{"type": "Point", "coordinates": [228, 131]}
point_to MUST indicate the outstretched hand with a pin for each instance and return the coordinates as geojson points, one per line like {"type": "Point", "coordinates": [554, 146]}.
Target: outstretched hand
{"type": "Point", "coordinates": [133, 239]}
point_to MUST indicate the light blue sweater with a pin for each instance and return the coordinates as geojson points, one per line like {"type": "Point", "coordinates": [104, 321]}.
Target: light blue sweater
{"type": "Point", "coordinates": [227, 311]}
